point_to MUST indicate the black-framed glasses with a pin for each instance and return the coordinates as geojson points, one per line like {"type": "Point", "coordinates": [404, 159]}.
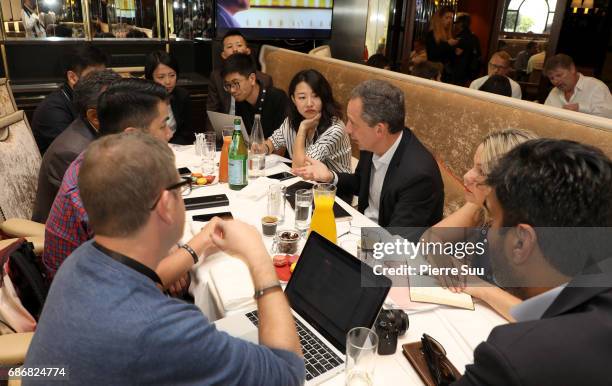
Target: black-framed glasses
{"type": "Point", "coordinates": [184, 185]}
{"type": "Point", "coordinates": [497, 66]}
{"type": "Point", "coordinates": [439, 366]}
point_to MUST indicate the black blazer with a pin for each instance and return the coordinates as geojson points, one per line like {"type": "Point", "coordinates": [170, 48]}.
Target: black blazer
{"type": "Point", "coordinates": [52, 116]}
{"type": "Point", "coordinates": [570, 345]}
{"type": "Point", "coordinates": [180, 103]}
{"type": "Point", "coordinates": [412, 193]}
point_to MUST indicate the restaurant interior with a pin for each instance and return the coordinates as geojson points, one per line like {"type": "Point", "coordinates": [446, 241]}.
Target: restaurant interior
{"type": "Point", "coordinates": [338, 39]}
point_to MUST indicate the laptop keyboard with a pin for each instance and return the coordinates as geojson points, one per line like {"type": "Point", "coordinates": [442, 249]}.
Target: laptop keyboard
{"type": "Point", "coordinates": [318, 358]}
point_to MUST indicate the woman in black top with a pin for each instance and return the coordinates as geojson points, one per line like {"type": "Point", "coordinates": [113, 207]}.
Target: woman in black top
{"type": "Point", "coordinates": [162, 68]}
{"type": "Point", "coordinates": [440, 42]}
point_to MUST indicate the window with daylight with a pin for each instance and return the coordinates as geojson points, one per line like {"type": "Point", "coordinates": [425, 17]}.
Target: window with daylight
{"type": "Point", "coordinates": [529, 16]}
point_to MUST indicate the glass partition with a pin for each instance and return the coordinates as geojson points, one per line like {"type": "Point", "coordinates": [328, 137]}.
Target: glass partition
{"type": "Point", "coordinates": [36, 19]}
{"type": "Point", "coordinates": [190, 19]}
{"type": "Point", "coordinates": [107, 19]}
{"type": "Point", "coordinates": [123, 19]}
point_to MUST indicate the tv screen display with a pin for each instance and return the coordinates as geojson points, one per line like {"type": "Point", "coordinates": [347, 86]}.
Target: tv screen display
{"type": "Point", "coordinates": [276, 19]}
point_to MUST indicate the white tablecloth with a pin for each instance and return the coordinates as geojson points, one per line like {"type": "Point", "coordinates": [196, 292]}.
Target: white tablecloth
{"type": "Point", "coordinates": [459, 331]}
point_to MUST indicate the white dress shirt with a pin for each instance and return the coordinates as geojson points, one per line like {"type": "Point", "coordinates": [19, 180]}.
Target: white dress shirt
{"type": "Point", "coordinates": [533, 308]}
{"type": "Point", "coordinates": [380, 164]}
{"type": "Point", "coordinates": [516, 88]}
{"type": "Point", "coordinates": [591, 94]}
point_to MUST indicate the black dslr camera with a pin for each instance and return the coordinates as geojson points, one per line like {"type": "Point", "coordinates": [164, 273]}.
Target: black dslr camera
{"type": "Point", "coordinates": [390, 325]}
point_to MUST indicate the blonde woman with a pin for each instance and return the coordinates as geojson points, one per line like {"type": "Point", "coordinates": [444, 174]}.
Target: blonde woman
{"type": "Point", "coordinates": [439, 42]}
{"type": "Point", "coordinates": [473, 215]}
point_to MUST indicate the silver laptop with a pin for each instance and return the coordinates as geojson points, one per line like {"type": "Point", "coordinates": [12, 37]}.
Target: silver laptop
{"type": "Point", "coordinates": [330, 292]}
{"type": "Point", "coordinates": [221, 120]}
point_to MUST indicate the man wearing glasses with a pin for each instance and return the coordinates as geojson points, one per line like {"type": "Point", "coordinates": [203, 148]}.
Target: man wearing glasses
{"type": "Point", "coordinates": [252, 97]}
{"type": "Point", "coordinates": [127, 105]}
{"type": "Point", "coordinates": [564, 325]}
{"type": "Point", "coordinates": [499, 65]}
{"type": "Point", "coordinates": [219, 100]}
{"type": "Point", "coordinates": [105, 322]}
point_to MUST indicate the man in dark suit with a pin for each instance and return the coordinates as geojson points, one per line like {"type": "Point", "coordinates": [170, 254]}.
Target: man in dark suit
{"type": "Point", "coordinates": [397, 179]}
{"type": "Point", "coordinates": [564, 326]}
{"type": "Point", "coordinates": [72, 141]}
{"type": "Point", "coordinates": [218, 99]}
{"type": "Point", "coordinates": [56, 112]}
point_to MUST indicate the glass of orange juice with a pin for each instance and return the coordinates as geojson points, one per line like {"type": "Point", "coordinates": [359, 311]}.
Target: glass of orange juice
{"type": "Point", "coordinates": [223, 160]}
{"type": "Point", "coordinates": [323, 220]}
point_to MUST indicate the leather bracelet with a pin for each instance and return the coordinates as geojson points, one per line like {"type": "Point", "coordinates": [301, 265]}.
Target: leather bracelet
{"type": "Point", "coordinates": [191, 252]}
{"type": "Point", "coordinates": [268, 150]}
{"type": "Point", "coordinates": [263, 291]}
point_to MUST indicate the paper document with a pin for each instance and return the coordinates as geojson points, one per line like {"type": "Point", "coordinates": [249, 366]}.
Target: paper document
{"type": "Point", "coordinates": [439, 295]}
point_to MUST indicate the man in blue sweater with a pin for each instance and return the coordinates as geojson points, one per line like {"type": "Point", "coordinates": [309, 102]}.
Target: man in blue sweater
{"type": "Point", "coordinates": [105, 321]}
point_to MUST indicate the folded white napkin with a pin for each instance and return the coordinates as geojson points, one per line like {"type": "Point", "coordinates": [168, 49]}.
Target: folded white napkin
{"type": "Point", "coordinates": [274, 159]}
{"type": "Point", "coordinates": [257, 188]}
{"type": "Point", "coordinates": [233, 283]}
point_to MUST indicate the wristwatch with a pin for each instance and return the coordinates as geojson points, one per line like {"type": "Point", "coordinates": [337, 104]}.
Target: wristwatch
{"type": "Point", "coordinates": [190, 250]}
{"type": "Point", "coordinates": [261, 292]}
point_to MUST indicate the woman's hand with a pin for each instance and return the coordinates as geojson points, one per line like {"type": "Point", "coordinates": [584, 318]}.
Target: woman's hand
{"type": "Point", "coordinates": [308, 126]}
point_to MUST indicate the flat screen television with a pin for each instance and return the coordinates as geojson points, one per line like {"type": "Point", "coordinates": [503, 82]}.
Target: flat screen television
{"type": "Point", "coordinates": [276, 19]}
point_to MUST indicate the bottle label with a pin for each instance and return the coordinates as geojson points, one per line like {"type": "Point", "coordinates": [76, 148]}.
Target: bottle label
{"type": "Point", "coordinates": [237, 172]}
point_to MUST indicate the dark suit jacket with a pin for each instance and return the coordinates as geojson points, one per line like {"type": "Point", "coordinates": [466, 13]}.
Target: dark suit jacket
{"type": "Point", "coordinates": [180, 102]}
{"type": "Point", "coordinates": [570, 345]}
{"type": "Point", "coordinates": [218, 99]}
{"type": "Point", "coordinates": [63, 150]}
{"type": "Point", "coordinates": [52, 116]}
{"type": "Point", "coordinates": [412, 193]}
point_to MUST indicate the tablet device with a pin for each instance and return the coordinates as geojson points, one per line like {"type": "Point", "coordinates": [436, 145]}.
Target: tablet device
{"type": "Point", "coordinates": [339, 212]}
{"type": "Point", "coordinates": [281, 176]}
{"type": "Point", "coordinates": [202, 202]}
{"type": "Point", "coordinates": [184, 171]}
{"type": "Point", "coordinates": [208, 216]}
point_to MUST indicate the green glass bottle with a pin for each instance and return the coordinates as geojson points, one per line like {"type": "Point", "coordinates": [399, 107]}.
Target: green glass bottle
{"type": "Point", "coordinates": [238, 157]}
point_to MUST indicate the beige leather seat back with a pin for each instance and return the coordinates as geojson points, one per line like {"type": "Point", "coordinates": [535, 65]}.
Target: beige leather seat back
{"type": "Point", "coordinates": [19, 166]}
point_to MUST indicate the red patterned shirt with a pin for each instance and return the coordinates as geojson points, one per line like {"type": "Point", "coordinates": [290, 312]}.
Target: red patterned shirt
{"type": "Point", "coordinates": [68, 225]}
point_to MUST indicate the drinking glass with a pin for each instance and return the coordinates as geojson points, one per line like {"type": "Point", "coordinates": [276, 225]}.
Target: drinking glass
{"type": "Point", "coordinates": [323, 221]}
{"type": "Point", "coordinates": [257, 163]}
{"type": "Point", "coordinates": [361, 347]}
{"type": "Point", "coordinates": [223, 160]}
{"type": "Point", "coordinates": [209, 147]}
{"type": "Point", "coordinates": [303, 205]}
{"type": "Point", "coordinates": [276, 201]}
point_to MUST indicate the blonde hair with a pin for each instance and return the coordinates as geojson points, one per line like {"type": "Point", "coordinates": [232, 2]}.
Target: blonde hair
{"type": "Point", "coordinates": [496, 144]}
{"type": "Point", "coordinates": [504, 56]}
{"type": "Point", "coordinates": [437, 26]}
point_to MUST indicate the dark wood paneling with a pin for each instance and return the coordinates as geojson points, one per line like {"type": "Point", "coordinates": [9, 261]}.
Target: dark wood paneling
{"type": "Point", "coordinates": [349, 30]}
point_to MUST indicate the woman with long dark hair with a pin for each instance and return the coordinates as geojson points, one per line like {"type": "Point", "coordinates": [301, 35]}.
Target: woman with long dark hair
{"type": "Point", "coordinates": [162, 68]}
{"type": "Point", "coordinates": [313, 127]}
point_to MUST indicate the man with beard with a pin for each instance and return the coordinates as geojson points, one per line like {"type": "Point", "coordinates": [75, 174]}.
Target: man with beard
{"type": "Point", "coordinates": [562, 336]}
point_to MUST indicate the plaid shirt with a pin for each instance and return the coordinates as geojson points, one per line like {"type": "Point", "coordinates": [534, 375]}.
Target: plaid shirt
{"type": "Point", "coordinates": [68, 225]}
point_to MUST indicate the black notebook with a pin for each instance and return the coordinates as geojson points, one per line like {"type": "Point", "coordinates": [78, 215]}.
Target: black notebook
{"type": "Point", "coordinates": [339, 212]}
{"type": "Point", "coordinates": [206, 202]}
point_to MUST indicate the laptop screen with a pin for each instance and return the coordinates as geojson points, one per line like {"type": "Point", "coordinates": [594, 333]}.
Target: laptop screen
{"type": "Point", "coordinates": [326, 290]}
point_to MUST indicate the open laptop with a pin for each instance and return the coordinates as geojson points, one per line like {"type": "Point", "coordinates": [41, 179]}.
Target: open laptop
{"type": "Point", "coordinates": [330, 292]}
{"type": "Point", "coordinates": [221, 120]}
